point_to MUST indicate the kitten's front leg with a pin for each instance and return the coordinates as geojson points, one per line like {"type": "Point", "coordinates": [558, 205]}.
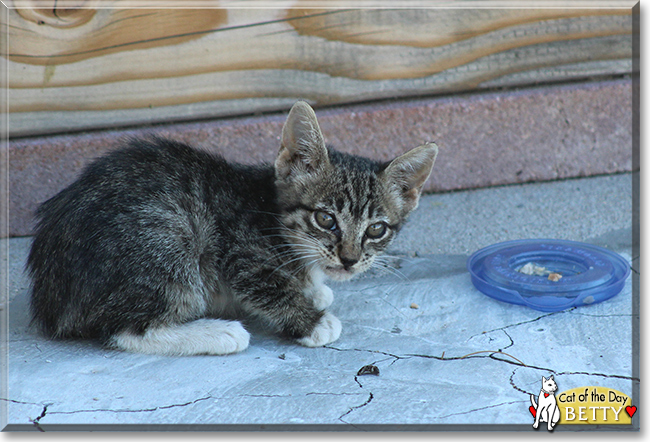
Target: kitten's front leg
{"type": "Point", "coordinates": [318, 292]}
{"type": "Point", "coordinates": [328, 329]}
{"type": "Point", "coordinates": [280, 297]}
{"type": "Point", "coordinates": [321, 295]}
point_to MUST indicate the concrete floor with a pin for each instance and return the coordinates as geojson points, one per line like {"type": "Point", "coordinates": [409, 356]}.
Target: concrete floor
{"type": "Point", "coordinates": [458, 361]}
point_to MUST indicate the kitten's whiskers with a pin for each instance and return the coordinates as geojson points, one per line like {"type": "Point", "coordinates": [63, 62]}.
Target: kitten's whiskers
{"type": "Point", "coordinates": [382, 262]}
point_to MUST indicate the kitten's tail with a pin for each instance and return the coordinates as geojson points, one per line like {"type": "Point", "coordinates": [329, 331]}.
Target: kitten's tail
{"type": "Point", "coordinates": [532, 401]}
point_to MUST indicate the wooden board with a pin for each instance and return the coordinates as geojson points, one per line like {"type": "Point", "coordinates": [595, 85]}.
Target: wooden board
{"type": "Point", "coordinates": [72, 69]}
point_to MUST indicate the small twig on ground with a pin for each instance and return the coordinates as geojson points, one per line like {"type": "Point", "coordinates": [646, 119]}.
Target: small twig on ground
{"type": "Point", "coordinates": [491, 352]}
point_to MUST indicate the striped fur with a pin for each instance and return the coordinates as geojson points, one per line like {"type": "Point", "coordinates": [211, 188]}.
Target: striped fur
{"type": "Point", "coordinates": [162, 248]}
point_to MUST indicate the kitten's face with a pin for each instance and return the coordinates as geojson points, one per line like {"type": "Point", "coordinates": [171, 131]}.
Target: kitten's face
{"type": "Point", "coordinates": [341, 211]}
{"type": "Point", "coordinates": [341, 219]}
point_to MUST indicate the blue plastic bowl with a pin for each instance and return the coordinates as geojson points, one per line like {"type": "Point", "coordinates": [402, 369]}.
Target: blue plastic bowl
{"type": "Point", "coordinates": [590, 274]}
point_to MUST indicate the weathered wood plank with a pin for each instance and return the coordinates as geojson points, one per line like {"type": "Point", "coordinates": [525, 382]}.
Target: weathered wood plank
{"type": "Point", "coordinates": [86, 68]}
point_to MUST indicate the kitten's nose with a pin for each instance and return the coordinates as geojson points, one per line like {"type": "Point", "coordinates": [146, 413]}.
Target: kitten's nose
{"type": "Point", "coordinates": [347, 262]}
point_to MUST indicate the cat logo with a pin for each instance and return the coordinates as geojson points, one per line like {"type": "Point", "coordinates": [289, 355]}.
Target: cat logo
{"type": "Point", "coordinates": [582, 405]}
{"type": "Point", "coordinates": [546, 409]}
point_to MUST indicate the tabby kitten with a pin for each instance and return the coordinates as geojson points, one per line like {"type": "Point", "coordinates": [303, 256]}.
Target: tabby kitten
{"type": "Point", "coordinates": [158, 247]}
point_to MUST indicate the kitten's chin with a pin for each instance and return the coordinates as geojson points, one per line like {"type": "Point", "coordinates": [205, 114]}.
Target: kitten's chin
{"type": "Point", "coordinates": [338, 273]}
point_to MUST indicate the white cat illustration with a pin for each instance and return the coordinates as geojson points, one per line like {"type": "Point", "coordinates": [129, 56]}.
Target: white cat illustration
{"type": "Point", "coordinates": [546, 410]}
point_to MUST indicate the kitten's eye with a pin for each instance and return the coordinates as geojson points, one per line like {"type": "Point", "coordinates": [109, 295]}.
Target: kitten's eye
{"type": "Point", "coordinates": [376, 230]}
{"type": "Point", "coordinates": [325, 220]}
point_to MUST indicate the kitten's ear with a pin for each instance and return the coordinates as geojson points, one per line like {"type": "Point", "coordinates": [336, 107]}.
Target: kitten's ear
{"type": "Point", "coordinates": [544, 379]}
{"type": "Point", "coordinates": [410, 171]}
{"type": "Point", "coordinates": [302, 150]}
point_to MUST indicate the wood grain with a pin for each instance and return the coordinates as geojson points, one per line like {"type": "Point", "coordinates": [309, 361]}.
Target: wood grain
{"type": "Point", "coordinates": [85, 33]}
{"type": "Point", "coordinates": [85, 68]}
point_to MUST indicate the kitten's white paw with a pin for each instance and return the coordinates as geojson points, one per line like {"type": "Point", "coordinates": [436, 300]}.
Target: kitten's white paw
{"type": "Point", "coordinates": [322, 296]}
{"type": "Point", "coordinates": [203, 336]}
{"type": "Point", "coordinates": [235, 339]}
{"type": "Point", "coordinates": [327, 330]}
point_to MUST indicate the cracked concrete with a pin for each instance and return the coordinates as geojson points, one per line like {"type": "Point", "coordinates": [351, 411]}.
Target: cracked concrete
{"type": "Point", "coordinates": [460, 360]}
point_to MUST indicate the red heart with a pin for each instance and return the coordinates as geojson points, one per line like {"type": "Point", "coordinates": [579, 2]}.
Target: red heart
{"type": "Point", "coordinates": [630, 410]}
{"type": "Point", "coordinates": [534, 412]}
